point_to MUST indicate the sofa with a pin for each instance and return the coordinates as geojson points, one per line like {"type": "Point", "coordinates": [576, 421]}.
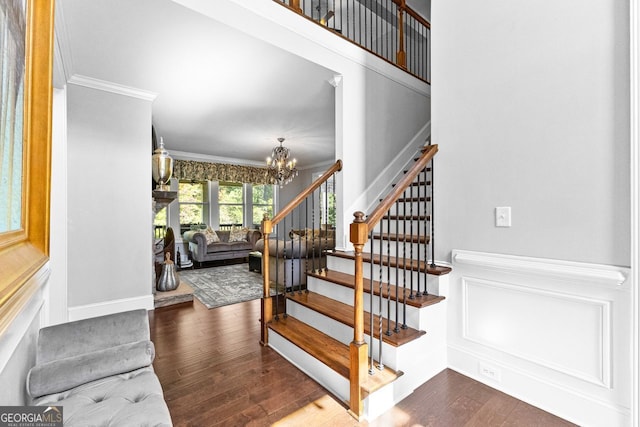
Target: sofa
{"type": "Point", "coordinates": [100, 371]}
{"type": "Point", "coordinates": [304, 250]}
{"type": "Point", "coordinates": [211, 245]}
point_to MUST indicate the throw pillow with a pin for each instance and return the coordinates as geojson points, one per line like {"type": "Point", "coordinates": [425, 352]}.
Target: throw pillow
{"type": "Point", "coordinates": [211, 236]}
{"type": "Point", "coordinates": [238, 235]}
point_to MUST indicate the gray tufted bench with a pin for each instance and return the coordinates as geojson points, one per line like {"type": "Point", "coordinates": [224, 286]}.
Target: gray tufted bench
{"type": "Point", "coordinates": [99, 370]}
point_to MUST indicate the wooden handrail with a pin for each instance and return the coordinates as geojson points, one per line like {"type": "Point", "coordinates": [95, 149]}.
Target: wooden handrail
{"type": "Point", "coordinates": [337, 166]}
{"type": "Point", "coordinates": [413, 13]}
{"type": "Point", "coordinates": [402, 185]}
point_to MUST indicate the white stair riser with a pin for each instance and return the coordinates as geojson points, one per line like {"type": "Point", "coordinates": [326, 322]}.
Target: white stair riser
{"type": "Point", "coordinates": [345, 295]}
{"type": "Point", "coordinates": [419, 360]}
{"type": "Point", "coordinates": [403, 250]}
{"type": "Point", "coordinates": [321, 373]}
{"type": "Point", "coordinates": [434, 316]}
{"type": "Point", "coordinates": [344, 265]}
{"type": "Point", "coordinates": [404, 227]}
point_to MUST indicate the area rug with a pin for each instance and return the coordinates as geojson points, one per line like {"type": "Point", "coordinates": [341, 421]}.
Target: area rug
{"type": "Point", "coordinates": [224, 285]}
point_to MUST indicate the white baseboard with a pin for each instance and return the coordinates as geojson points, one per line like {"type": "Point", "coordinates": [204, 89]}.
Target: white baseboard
{"type": "Point", "coordinates": [553, 333]}
{"type": "Point", "coordinates": [565, 402]}
{"type": "Point", "coordinates": [109, 307]}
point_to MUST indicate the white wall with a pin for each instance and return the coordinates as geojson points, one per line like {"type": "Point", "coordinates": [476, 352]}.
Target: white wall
{"type": "Point", "coordinates": [58, 310]}
{"type": "Point", "coordinates": [109, 202]}
{"type": "Point", "coordinates": [531, 110]}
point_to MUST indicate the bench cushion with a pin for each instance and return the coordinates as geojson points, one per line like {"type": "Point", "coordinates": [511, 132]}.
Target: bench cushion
{"type": "Point", "coordinates": [64, 374]}
{"type": "Point", "coordinates": [131, 399]}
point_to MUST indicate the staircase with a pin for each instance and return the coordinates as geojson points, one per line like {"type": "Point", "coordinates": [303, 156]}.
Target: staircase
{"type": "Point", "coordinates": [371, 326]}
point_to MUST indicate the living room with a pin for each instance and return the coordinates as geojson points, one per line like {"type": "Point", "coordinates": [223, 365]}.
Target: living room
{"type": "Point", "coordinates": [101, 153]}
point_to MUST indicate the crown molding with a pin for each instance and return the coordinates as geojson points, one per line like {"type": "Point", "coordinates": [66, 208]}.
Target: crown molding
{"type": "Point", "coordinates": [63, 58]}
{"type": "Point", "coordinates": [103, 85]}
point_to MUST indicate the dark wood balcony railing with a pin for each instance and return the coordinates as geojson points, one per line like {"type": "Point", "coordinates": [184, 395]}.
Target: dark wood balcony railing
{"type": "Point", "coordinates": [387, 28]}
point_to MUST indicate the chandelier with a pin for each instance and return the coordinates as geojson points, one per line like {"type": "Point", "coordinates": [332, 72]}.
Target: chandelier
{"type": "Point", "coordinates": [281, 169]}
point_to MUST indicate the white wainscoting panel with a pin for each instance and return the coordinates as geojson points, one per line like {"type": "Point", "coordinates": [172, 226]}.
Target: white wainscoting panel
{"type": "Point", "coordinates": [553, 333]}
{"type": "Point", "coordinates": [576, 331]}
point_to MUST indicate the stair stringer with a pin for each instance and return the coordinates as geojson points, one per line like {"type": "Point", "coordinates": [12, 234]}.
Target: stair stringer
{"type": "Point", "coordinates": [377, 188]}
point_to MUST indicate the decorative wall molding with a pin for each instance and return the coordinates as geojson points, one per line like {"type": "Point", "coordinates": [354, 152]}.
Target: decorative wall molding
{"type": "Point", "coordinates": [598, 274]}
{"type": "Point", "coordinates": [63, 58]}
{"type": "Point", "coordinates": [554, 333]}
{"type": "Point", "coordinates": [478, 313]}
{"type": "Point", "coordinates": [109, 307]}
{"type": "Point", "coordinates": [103, 85]}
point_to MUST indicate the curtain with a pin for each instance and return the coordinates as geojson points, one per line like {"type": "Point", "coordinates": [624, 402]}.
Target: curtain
{"type": "Point", "coordinates": [202, 171]}
{"type": "Point", "coordinates": [12, 66]}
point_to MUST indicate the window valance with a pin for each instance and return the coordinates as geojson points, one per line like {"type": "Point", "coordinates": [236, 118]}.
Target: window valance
{"type": "Point", "coordinates": [202, 171]}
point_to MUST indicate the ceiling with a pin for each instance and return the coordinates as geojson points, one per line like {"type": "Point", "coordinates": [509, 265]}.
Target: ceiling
{"type": "Point", "coordinates": [220, 92]}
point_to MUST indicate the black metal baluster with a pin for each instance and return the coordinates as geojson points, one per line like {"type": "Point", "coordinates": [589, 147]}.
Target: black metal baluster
{"type": "Point", "coordinates": [371, 287]}
{"type": "Point", "coordinates": [433, 208]}
{"type": "Point", "coordinates": [380, 300]}
{"type": "Point", "coordinates": [313, 227]}
{"type": "Point", "coordinates": [326, 225]}
{"type": "Point", "coordinates": [388, 331]}
{"type": "Point", "coordinates": [427, 239]}
{"type": "Point", "coordinates": [277, 250]}
{"type": "Point", "coordinates": [397, 263]}
{"type": "Point", "coordinates": [306, 239]}
{"type": "Point", "coordinates": [420, 218]}
{"type": "Point", "coordinates": [411, 219]}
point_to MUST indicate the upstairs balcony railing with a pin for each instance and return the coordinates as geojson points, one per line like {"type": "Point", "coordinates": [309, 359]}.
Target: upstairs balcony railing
{"type": "Point", "coordinates": [387, 28]}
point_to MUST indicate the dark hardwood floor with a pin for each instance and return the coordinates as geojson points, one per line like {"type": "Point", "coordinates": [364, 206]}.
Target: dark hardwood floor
{"type": "Point", "coordinates": [214, 372]}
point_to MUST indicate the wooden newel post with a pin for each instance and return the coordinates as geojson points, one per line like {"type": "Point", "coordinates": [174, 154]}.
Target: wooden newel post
{"type": "Point", "coordinates": [295, 5]}
{"type": "Point", "coordinates": [266, 310]}
{"type": "Point", "coordinates": [358, 348]}
{"type": "Point", "coordinates": [401, 55]}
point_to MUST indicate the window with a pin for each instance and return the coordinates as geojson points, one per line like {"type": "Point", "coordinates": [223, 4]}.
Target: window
{"type": "Point", "coordinates": [262, 203]}
{"type": "Point", "coordinates": [192, 202]}
{"type": "Point", "coordinates": [327, 205]}
{"type": "Point", "coordinates": [230, 203]}
{"type": "Point", "coordinates": [160, 223]}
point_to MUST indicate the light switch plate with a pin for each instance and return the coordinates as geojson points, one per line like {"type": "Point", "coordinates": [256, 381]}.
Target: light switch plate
{"type": "Point", "coordinates": [503, 216]}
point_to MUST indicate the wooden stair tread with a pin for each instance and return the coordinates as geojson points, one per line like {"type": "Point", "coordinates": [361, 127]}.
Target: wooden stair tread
{"type": "Point", "coordinates": [328, 350]}
{"type": "Point", "coordinates": [347, 280]}
{"type": "Point", "coordinates": [412, 264]}
{"type": "Point", "coordinates": [343, 313]}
